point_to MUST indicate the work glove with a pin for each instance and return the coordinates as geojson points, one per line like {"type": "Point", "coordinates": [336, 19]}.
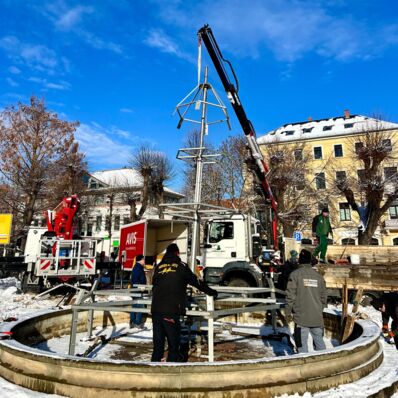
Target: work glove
{"type": "Point", "coordinates": [384, 329]}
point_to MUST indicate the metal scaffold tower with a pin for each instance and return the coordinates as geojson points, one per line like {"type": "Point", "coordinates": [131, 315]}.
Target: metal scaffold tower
{"type": "Point", "coordinates": [198, 99]}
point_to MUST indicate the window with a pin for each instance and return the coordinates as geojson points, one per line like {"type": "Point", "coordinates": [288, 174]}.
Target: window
{"type": "Point", "coordinates": [126, 220]}
{"type": "Point", "coordinates": [345, 212]}
{"type": "Point", "coordinates": [338, 151]}
{"type": "Point", "coordinates": [361, 176]}
{"type": "Point", "coordinates": [307, 130]}
{"type": "Point", "coordinates": [358, 147]}
{"type": "Point", "coordinates": [98, 223]}
{"type": "Point", "coordinates": [298, 154]}
{"type": "Point", "coordinates": [89, 230]}
{"type": "Point", "coordinates": [348, 125]}
{"type": "Point", "coordinates": [320, 181]}
{"type": "Point", "coordinates": [288, 132]}
{"type": "Point", "coordinates": [341, 176]}
{"type": "Point", "coordinates": [327, 128]}
{"type": "Point", "coordinates": [374, 242]}
{"type": "Point", "coordinates": [93, 184]}
{"type": "Point", "coordinates": [99, 200]}
{"type": "Point", "coordinates": [348, 241]}
{"type": "Point", "coordinates": [108, 224]}
{"type": "Point", "coordinates": [387, 145]}
{"type": "Point", "coordinates": [390, 174]}
{"type": "Point", "coordinates": [395, 241]}
{"type": "Point", "coordinates": [393, 211]}
{"type": "Point", "coordinates": [116, 224]}
{"type": "Point", "coordinates": [221, 230]}
{"type": "Point", "coordinates": [300, 181]}
{"type": "Point", "coordinates": [318, 152]}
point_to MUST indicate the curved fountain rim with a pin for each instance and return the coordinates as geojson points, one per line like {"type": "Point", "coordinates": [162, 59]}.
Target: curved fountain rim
{"type": "Point", "coordinates": [370, 333]}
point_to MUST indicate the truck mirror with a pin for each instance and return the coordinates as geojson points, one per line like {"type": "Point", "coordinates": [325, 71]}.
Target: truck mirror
{"type": "Point", "coordinates": [256, 241]}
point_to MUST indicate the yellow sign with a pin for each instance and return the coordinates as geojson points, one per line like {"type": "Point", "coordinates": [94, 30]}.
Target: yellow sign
{"type": "Point", "coordinates": [5, 228]}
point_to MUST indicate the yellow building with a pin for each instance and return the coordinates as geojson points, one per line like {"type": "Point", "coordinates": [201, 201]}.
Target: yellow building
{"type": "Point", "coordinates": [330, 147]}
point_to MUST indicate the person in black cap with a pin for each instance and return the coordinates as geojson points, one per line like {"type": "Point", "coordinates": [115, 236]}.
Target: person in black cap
{"type": "Point", "coordinates": [169, 295]}
{"type": "Point", "coordinates": [387, 304]}
{"type": "Point", "coordinates": [306, 297]}
{"type": "Point", "coordinates": [321, 228]}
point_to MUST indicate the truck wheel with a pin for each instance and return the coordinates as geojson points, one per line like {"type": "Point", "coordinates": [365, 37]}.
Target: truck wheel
{"type": "Point", "coordinates": [238, 282]}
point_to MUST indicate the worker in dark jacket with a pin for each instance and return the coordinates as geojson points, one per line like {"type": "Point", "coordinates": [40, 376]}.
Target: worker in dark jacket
{"type": "Point", "coordinates": [321, 228]}
{"type": "Point", "coordinates": [305, 300]}
{"type": "Point", "coordinates": [387, 304]}
{"type": "Point", "coordinates": [137, 278]}
{"type": "Point", "coordinates": [169, 296]}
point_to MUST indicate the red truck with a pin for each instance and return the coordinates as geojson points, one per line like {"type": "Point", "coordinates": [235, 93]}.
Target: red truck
{"type": "Point", "coordinates": [151, 237]}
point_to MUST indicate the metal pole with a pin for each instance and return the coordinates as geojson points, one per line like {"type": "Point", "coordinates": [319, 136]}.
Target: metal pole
{"type": "Point", "coordinates": [198, 179]}
{"type": "Point", "coordinates": [72, 339]}
{"type": "Point", "coordinates": [210, 327]}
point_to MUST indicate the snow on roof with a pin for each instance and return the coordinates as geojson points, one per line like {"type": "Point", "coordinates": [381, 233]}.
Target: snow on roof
{"type": "Point", "coordinates": [337, 126]}
{"type": "Point", "coordinates": [126, 177]}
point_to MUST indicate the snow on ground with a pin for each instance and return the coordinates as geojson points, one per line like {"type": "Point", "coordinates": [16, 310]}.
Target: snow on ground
{"type": "Point", "coordinates": [14, 304]}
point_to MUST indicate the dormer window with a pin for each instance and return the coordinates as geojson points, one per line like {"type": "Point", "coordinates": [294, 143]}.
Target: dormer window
{"type": "Point", "coordinates": [307, 130]}
{"type": "Point", "coordinates": [288, 132]}
{"type": "Point", "coordinates": [327, 128]}
{"type": "Point", "coordinates": [348, 125]}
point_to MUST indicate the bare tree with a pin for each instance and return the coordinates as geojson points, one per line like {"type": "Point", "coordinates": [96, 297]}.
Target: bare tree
{"type": "Point", "coordinates": [155, 169]}
{"type": "Point", "coordinates": [287, 178]}
{"type": "Point", "coordinates": [212, 181]}
{"type": "Point", "coordinates": [32, 141]}
{"type": "Point", "coordinates": [69, 172]}
{"type": "Point", "coordinates": [376, 188]}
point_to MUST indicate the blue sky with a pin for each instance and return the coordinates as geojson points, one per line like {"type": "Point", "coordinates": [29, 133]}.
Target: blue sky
{"type": "Point", "coordinates": [120, 67]}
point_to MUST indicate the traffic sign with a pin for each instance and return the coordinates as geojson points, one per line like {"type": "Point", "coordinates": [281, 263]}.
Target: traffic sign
{"type": "Point", "coordinates": [5, 228]}
{"type": "Point", "coordinates": [297, 236]}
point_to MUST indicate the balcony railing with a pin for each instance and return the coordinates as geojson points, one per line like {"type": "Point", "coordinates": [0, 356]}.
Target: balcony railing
{"type": "Point", "coordinates": [392, 224]}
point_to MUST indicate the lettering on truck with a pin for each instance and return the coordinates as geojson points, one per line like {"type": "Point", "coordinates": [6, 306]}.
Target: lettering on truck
{"type": "Point", "coordinates": [131, 238]}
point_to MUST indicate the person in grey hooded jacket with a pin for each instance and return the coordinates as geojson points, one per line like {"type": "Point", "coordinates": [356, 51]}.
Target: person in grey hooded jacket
{"type": "Point", "coordinates": [306, 297]}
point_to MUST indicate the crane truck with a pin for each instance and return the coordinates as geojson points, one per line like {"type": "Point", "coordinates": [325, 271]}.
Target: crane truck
{"type": "Point", "coordinates": [52, 254]}
{"type": "Point", "coordinates": [242, 246]}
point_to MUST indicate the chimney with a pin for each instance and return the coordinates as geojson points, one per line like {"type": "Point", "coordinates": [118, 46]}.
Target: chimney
{"type": "Point", "coordinates": [310, 118]}
{"type": "Point", "coordinates": [347, 114]}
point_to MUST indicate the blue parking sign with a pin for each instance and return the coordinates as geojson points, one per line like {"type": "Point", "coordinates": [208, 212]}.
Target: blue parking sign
{"type": "Point", "coordinates": [297, 236]}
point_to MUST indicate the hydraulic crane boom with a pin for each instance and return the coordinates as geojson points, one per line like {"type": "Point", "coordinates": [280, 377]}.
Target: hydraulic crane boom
{"type": "Point", "coordinates": [60, 220]}
{"type": "Point", "coordinates": [260, 167]}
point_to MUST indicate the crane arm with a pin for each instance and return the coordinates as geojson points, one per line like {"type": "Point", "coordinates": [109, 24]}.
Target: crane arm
{"type": "Point", "coordinates": [260, 168]}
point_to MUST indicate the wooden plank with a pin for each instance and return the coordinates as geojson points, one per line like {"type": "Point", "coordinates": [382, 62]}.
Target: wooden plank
{"type": "Point", "coordinates": [348, 327]}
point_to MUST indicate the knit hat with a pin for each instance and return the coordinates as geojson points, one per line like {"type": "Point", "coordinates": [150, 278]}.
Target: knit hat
{"type": "Point", "coordinates": [293, 253]}
{"type": "Point", "coordinates": [377, 303]}
{"type": "Point", "coordinates": [305, 257]}
{"type": "Point", "coordinates": [325, 210]}
{"type": "Point", "coordinates": [138, 258]}
{"type": "Point", "coordinates": [172, 248]}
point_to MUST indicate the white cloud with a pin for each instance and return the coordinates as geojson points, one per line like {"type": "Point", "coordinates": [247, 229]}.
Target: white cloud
{"type": "Point", "coordinates": [14, 70]}
{"type": "Point", "coordinates": [100, 149]}
{"type": "Point", "coordinates": [61, 85]}
{"type": "Point", "coordinates": [290, 29]}
{"type": "Point", "coordinates": [72, 17]}
{"type": "Point", "coordinates": [72, 20]}
{"type": "Point", "coordinates": [12, 82]}
{"type": "Point", "coordinates": [158, 39]}
{"type": "Point", "coordinates": [98, 43]}
{"type": "Point", "coordinates": [126, 110]}
{"type": "Point", "coordinates": [35, 56]}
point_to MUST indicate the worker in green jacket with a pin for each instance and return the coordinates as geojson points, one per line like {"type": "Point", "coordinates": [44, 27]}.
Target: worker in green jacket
{"type": "Point", "coordinates": [321, 228]}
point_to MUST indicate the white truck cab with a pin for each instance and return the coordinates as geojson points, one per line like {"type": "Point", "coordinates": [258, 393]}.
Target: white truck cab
{"type": "Point", "coordinates": [231, 249]}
